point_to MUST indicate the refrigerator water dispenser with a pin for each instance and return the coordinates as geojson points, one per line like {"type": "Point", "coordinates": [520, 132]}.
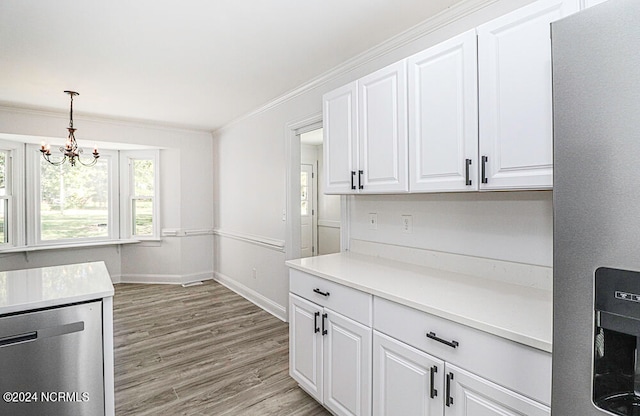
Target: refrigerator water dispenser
{"type": "Point", "coordinates": [616, 367]}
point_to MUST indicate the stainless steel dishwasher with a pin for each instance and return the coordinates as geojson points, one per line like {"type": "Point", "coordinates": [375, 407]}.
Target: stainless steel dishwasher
{"type": "Point", "coordinates": [51, 362]}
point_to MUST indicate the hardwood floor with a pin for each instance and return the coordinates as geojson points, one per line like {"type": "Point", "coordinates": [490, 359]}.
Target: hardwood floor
{"type": "Point", "coordinates": [201, 350]}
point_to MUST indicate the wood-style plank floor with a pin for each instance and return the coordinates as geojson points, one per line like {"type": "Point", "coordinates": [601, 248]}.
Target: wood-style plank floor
{"type": "Point", "coordinates": [201, 350]}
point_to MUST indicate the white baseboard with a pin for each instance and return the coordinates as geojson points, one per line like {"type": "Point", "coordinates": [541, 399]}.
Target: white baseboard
{"type": "Point", "coordinates": [168, 279]}
{"type": "Point", "coordinates": [252, 296]}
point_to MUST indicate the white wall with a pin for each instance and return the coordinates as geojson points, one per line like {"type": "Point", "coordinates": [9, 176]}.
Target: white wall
{"type": "Point", "coordinates": [186, 199]}
{"type": "Point", "coordinates": [251, 169]}
{"type": "Point", "coordinates": [511, 226]}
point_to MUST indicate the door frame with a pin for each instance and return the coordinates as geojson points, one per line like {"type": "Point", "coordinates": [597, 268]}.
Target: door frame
{"type": "Point", "coordinates": [314, 207]}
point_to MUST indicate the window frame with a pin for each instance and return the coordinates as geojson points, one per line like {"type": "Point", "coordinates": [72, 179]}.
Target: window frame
{"type": "Point", "coordinates": [34, 232]}
{"type": "Point", "coordinates": [15, 227]}
{"type": "Point", "coordinates": [127, 196]}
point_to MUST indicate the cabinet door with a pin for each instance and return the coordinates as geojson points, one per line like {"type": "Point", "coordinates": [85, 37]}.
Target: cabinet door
{"type": "Point", "coordinates": [347, 366]}
{"type": "Point", "coordinates": [340, 137]}
{"type": "Point", "coordinates": [305, 345]}
{"type": "Point", "coordinates": [382, 130]}
{"type": "Point", "coordinates": [515, 113]}
{"type": "Point", "coordinates": [443, 116]}
{"type": "Point", "coordinates": [470, 395]}
{"type": "Point", "coordinates": [406, 381]}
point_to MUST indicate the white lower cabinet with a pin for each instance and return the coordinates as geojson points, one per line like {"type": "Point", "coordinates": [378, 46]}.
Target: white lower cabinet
{"type": "Point", "coordinates": [466, 394]}
{"type": "Point", "coordinates": [406, 381]}
{"type": "Point", "coordinates": [363, 355]}
{"type": "Point", "coordinates": [329, 352]}
{"type": "Point", "coordinates": [426, 365]}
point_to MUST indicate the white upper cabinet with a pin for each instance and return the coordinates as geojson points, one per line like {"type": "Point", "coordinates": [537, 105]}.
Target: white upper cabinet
{"type": "Point", "coordinates": [472, 113]}
{"type": "Point", "coordinates": [382, 128]}
{"type": "Point", "coordinates": [443, 116]}
{"type": "Point", "coordinates": [340, 139]}
{"type": "Point", "coordinates": [515, 105]}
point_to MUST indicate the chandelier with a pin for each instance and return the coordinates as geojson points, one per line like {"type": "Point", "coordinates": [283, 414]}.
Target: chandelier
{"type": "Point", "coordinates": [70, 149]}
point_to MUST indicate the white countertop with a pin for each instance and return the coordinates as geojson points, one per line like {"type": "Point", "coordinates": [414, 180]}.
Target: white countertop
{"type": "Point", "coordinates": [516, 312]}
{"type": "Point", "coordinates": [28, 289]}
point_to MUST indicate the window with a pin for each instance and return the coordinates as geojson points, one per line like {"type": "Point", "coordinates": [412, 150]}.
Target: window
{"type": "Point", "coordinates": [140, 193]}
{"type": "Point", "coordinates": [5, 192]}
{"type": "Point", "coordinates": [74, 203]}
{"type": "Point", "coordinates": [115, 199]}
{"type": "Point", "coordinates": [11, 200]}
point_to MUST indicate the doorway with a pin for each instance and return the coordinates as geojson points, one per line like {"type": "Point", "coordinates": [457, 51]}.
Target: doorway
{"type": "Point", "coordinates": [304, 146]}
{"type": "Point", "coordinates": [319, 213]}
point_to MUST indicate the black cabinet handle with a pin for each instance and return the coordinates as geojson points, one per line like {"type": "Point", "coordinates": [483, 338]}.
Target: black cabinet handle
{"type": "Point", "coordinates": [449, 400]}
{"type": "Point", "coordinates": [485, 159]}
{"type": "Point", "coordinates": [353, 175]}
{"type": "Point", "coordinates": [360, 185]}
{"type": "Point", "coordinates": [324, 331]}
{"type": "Point", "coordinates": [433, 393]}
{"type": "Point", "coordinates": [466, 174]}
{"type": "Point", "coordinates": [320, 292]}
{"type": "Point", "coordinates": [316, 328]}
{"type": "Point", "coordinates": [433, 336]}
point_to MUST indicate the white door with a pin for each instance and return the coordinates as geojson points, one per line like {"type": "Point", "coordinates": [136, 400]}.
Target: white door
{"type": "Point", "coordinates": [347, 366]}
{"type": "Point", "coordinates": [515, 113]}
{"type": "Point", "coordinates": [382, 130]}
{"type": "Point", "coordinates": [305, 345]}
{"type": "Point", "coordinates": [443, 116]}
{"type": "Point", "coordinates": [307, 211]}
{"type": "Point", "coordinates": [406, 381]}
{"type": "Point", "coordinates": [339, 108]}
{"type": "Point", "coordinates": [470, 395]}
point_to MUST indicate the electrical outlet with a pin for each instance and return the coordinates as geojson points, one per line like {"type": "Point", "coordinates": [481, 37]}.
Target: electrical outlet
{"type": "Point", "coordinates": [407, 224]}
{"type": "Point", "coordinates": [254, 273]}
{"type": "Point", "coordinates": [373, 221]}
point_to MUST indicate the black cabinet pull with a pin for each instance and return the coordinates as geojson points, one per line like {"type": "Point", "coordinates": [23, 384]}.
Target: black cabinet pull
{"type": "Point", "coordinates": [449, 400]}
{"type": "Point", "coordinates": [316, 328]}
{"type": "Point", "coordinates": [320, 292]}
{"type": "Point", "coordinates": [433, 393]}
{"type": "Point", "coordinates": [466, 174]}
{"type": "Point", "coordinates": [485, 159]}
{"type": "Point", "coordinates": [324, 331]}
{"type": "Point", "coordinates": [353, 175]}
{"type": "Point", "coordinates": [360, 185]}
{"type": "Point", "coordinates": [452, 344]}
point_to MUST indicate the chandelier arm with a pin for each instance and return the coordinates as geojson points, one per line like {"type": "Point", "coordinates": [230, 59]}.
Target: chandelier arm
{"type": "Point", "coordinates": [47, 157]}
{"type": "Point", "coordinates": [92, 163]}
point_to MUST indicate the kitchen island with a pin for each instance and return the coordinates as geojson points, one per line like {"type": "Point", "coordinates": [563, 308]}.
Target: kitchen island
{"type": "Point", "coordinates": [68, 313]}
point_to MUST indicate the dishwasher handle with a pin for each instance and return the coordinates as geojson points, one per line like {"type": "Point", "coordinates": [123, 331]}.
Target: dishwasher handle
{"type": "Point", "coordinates": [18, 339]}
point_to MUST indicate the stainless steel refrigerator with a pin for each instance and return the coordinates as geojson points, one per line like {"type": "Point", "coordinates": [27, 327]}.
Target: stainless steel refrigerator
{"type": "Point", "coordinates": [596, 198]}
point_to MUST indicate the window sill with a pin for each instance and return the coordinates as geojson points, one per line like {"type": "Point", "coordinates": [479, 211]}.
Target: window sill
{"type": "Point", "coordinates": [24, 249]}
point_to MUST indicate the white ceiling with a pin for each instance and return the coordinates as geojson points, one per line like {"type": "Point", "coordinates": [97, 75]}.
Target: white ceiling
{"type": "Point", "coordinates": [190, 63]}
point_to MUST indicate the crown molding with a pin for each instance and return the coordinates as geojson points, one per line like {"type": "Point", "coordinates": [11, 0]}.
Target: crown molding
{"type": "Point", "coordinates": [456, 12]}
{"type": "Point", "coordinates": [129, 122]}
